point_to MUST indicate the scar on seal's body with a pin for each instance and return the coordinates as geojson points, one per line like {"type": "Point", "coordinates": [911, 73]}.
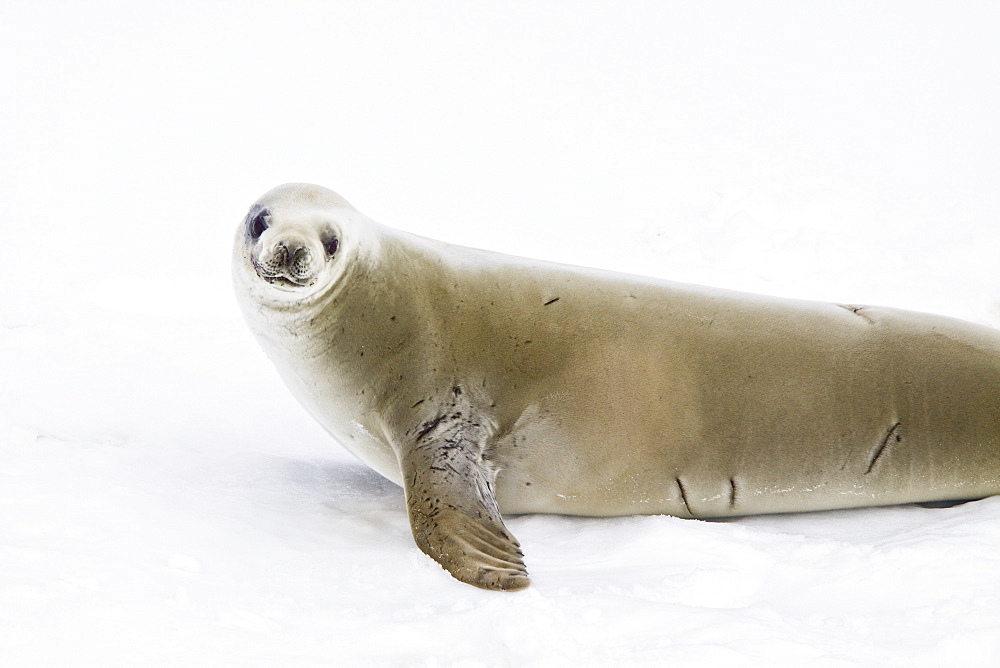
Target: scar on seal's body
{"type": "Point", "coordinates": [893, 436]}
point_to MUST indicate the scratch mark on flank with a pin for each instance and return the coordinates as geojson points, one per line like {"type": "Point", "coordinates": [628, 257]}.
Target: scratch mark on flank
{"type": "Point", "coordinates": [551, 301]}
{"type": "Point", "coordinates": [732, 492]}
{"type": "Point", "coordinates": [892, 436]}
{"type": "Point", "coordinates": [684, 497]}
{"type": "Point", "coordinates": [857, 310]}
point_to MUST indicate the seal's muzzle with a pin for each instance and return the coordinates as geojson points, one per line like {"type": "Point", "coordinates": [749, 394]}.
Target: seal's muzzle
{"type": "Point", "coordinates": [286, 260]}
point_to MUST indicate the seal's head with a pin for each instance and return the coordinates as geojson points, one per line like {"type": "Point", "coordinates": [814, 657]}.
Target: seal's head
{"type": "Point", "coordinates": [291, 245]}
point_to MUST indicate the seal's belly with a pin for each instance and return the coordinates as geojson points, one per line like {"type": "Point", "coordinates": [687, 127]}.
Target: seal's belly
{"type": "Point", "coordinates": [895, 411]}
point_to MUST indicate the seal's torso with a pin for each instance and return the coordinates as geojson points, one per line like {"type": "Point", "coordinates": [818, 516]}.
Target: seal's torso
{"type": "Point", "coordinates": [614, 394]}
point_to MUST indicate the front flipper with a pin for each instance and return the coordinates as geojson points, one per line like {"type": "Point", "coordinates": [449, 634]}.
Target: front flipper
{"type": "Point", "coordinates": [453, 511]}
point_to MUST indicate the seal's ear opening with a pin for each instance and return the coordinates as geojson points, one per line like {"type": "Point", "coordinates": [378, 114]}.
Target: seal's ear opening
{"type": "Point", "coordinates": [331, 245]}
{"type": "Point", "coordinates": [257, 222]}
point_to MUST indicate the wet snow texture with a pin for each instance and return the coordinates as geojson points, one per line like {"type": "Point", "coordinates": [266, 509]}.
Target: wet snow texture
{"type": "Point", "coordinates": [164, 502]}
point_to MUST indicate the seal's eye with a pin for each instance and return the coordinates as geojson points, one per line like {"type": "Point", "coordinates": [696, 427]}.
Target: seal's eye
{"type": "Point", "coordinates": [332, 245]}
{"type": "Point", "coordinates": [258, 224]}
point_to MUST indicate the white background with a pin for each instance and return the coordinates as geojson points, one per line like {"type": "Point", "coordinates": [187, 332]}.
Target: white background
{"type": "Point", "coordinates": [162, 500]}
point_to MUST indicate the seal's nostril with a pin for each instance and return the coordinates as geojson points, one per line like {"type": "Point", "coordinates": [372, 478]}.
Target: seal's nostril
{"type": "Point", "coordinates": [281, 252]}
{"type": "Point", "coordinates": [289, 253]}
{"type": "Point", "coordinates": [299, 254]}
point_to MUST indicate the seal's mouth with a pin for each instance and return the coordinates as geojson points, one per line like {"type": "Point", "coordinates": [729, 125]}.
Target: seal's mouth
{"type": "Point", "coordinates": [286, 282]}
{"type": "Point", "coordinates": [283, 274]}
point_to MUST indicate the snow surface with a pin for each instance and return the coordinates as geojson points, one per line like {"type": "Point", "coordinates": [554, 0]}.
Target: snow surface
{"type": "Point", "coordinates": [164, 502]}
